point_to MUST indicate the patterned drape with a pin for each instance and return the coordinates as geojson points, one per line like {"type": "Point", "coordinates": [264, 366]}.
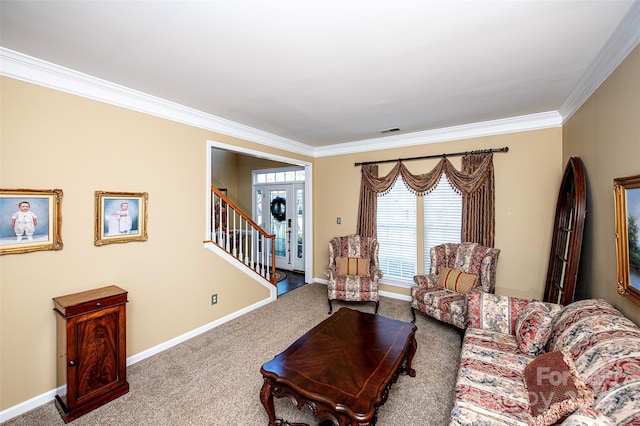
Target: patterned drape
{"type": "Point", "coordinates": [368, 209]}
{"type": "Point", "coordinates": [478, 207]}
{"type": "Point", "coordinates": [474, 182]}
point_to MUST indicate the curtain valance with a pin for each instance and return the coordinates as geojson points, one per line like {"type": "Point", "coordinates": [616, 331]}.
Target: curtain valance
{"type": "Point", "coordinates": [463, 182]}
{"type": "Point", "coordinates": [474, 183]}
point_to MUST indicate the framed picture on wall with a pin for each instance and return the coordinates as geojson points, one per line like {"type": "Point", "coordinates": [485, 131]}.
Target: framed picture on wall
{"type": "Point", "coordinates": [121, 217]}
{"type": "Point", "coordinates": [627, 205]}
{"type": "Point", "coordinates": [30, 220]}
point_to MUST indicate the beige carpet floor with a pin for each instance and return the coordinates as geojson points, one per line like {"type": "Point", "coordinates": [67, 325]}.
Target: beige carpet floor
{"type": "Point", "coordinates": [214, 378]}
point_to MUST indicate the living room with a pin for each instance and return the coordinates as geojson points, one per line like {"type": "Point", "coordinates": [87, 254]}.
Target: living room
{"type": "Point", "coordinates": [56, 139]}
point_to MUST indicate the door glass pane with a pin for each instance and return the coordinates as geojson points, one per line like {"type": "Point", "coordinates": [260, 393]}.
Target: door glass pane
{"type": "Point", "coordinates": [299, 223]}
{"type": "Point", "coordinates": [259, 207]}
{"type": "Point", "coordinates": [279, 228]}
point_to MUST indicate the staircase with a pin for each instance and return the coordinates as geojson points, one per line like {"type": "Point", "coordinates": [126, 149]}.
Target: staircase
{"type": "Point", "coordinates": [236, 233]}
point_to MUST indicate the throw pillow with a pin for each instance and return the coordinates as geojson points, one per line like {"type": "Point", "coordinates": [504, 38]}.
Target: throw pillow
{"type": "Point", "coordinates": [494, 312]}
{"type": "Point", "coordinates": [352, 266]}
{"type": "Point", "coordinates": [458, 281]}
{"type": "Point", "coordinates": [555, 390]}
{"type": "Point", "coordinates": [533, 327]}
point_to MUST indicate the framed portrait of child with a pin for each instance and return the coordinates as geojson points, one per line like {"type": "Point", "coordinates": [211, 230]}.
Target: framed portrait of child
{"type": "Point", "coordinates": [121, 217]}
{"type": "Point", "coordinates": [30, 220]}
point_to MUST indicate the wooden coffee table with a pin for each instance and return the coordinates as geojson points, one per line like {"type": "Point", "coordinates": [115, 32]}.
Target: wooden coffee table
{"type": "Point", "coordinates": [342, 368]}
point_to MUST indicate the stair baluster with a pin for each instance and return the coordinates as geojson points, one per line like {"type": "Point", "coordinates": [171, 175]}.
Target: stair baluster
{"type": "Point", "coordinates": [233, 234]}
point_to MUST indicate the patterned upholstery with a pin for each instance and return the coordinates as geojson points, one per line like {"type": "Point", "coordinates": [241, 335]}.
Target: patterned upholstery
{"type": "Point", "coordinates": [447, 305]}
{"type": "Point", "coordinates": [353, 288]}
{"type": "Point", "coordinates": [604, 346]}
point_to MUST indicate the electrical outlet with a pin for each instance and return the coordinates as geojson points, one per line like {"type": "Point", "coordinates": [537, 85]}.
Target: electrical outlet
{"type": "Point", "coordinates": [338, 220]}
{"type": "Point", "coordinates": [214, 299]}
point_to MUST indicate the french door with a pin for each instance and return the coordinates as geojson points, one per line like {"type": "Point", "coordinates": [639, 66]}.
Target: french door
{"type": "Point", "coordinates": [279, 210]}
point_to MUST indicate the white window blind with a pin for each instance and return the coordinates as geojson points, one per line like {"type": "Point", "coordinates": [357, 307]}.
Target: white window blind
{"type": "Point", "coordinates": [442, 218]}
{"type": "Point", "coordinates": [396, 221]}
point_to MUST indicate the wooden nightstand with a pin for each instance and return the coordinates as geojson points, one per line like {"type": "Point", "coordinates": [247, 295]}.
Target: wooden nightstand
{"type": "Point", "coordinates": [91, 328]}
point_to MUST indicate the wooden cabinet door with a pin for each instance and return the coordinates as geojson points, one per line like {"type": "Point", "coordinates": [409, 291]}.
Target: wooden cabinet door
{"type": "Point", "coordinates": [91, 349]}
{"type": "Point", "coordinates": [94, 354]}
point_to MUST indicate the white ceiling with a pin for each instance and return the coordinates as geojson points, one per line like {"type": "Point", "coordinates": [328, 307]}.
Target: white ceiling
{"type": "Point", "coordinates": [328, 72]}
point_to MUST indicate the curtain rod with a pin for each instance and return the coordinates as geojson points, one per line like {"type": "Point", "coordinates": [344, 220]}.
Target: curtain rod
{"type": "Point", "coordinates": [453, 154]}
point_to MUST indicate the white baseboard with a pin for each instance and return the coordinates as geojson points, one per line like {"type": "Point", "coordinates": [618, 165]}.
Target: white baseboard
{"type": "Point", "coordinates": [48, 396]}
{"type": "Point", "coordinates": [193, 333]}
{"type": "Point", "coordinates": [395, 296]}
{"type": "Point", "coordinates": [28, 405]}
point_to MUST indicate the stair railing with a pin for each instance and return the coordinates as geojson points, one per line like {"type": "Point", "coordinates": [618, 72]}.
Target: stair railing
{"type": "Point", "coordinates": [236, 233]}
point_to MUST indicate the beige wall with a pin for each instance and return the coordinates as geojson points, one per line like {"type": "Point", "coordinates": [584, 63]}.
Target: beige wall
{"type": "Point", "coordinates": [527, 182]}
{"type": "Point", "coordinates": [605, 133]}
{"type": "Point", "coordinates": [224, 171]}
{"type": "Point", "coordinates": [51, 139]}
{"type": "Point", "coordinates": [247, 164]}
{"type": "Point", "coordinates": [233, 171]}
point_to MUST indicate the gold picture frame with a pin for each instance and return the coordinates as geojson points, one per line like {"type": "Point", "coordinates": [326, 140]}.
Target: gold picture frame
{"type": "Point", "coordinates": [30, 220]}
{"type": "Point", "coordinates": [121, 217]}
{"type": "Point", "coordinates": [627, 205]}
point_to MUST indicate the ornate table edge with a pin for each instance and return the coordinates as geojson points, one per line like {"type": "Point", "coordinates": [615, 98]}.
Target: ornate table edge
{"type": "Point", "coordinates": [322, 412]}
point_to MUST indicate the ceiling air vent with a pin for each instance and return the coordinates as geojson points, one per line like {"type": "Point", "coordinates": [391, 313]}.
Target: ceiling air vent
{"type": "Point", "coordinates": [393, 129]}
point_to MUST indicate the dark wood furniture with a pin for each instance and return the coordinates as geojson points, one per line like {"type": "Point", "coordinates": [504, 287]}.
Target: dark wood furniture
{"type": "Point", "coordinates": [566, 243]}
{"type": "Point", "coordinates": [91, 349]}
{"type": "Point", "coordinates": [342, 368]}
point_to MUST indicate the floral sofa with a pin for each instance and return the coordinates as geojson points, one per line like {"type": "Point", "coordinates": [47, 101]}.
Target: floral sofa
{"type": "Point", "coordinates": [527, 362]}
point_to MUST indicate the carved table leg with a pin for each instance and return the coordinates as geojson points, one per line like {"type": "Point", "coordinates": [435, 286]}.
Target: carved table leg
{"type": "Point", "coordinates": [412, 351]}
{"type": "Point", "coordinates": [267, 401]}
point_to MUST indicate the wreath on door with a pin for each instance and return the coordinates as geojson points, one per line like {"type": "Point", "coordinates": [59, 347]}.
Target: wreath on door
{"type": "Point", "coordinates": [279, 209]}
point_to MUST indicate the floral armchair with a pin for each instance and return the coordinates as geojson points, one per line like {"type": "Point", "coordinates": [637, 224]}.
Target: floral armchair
{"type": "Point", "coordinates": [353, 270]}
{"type": "Point", "coordinates": [456, 270]}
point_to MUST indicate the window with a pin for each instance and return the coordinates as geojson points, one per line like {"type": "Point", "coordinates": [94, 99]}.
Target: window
{"type": "Point", "coordinates": [442, 218]}
{"type": "Point", "coordinates": [396, 223]}
{"type": "Point", "coordinates": [398, 215]}
{"type": "Point", "coordinates": [261, 177]}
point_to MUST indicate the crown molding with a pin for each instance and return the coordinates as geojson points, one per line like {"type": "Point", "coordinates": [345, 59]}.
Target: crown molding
{"type": "Point", "coordinates": [624, 39]}
{"type": "Point", "coordinates": [521, 123]}
{"type": "Point", "coordinates": [26, 68]}
{"type": "Point", "coordinates": [32, 70]}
